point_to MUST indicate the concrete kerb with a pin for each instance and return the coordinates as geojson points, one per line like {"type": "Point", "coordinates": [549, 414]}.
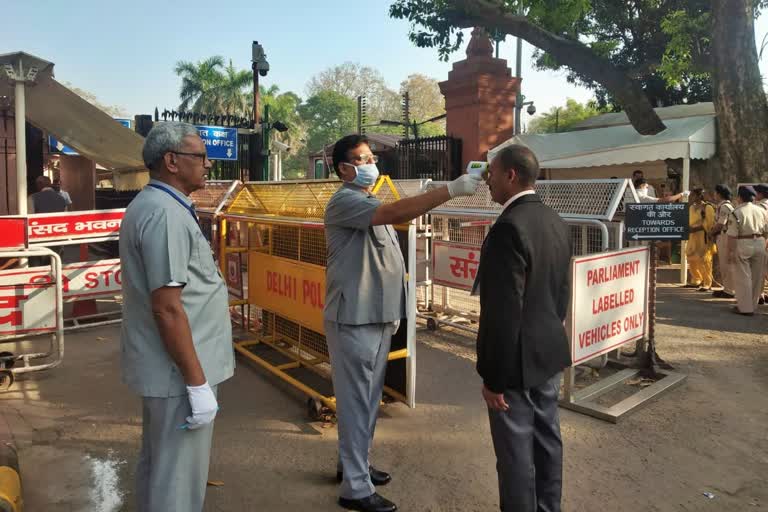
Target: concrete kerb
{"type": "Point", "coordinates": [10, 477]}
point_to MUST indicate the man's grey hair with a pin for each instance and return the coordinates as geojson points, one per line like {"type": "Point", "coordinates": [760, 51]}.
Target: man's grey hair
{"type": "Point", "coordinates": [163, 138]}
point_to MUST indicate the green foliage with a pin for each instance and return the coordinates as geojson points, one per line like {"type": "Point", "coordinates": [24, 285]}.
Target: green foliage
{"type": "Point", "coordinates": [560, 119]}
{"type": "Point", "coordinates": [210, 87]}
{"type": "Point", "coordinates": [426, 102]}
{"type": "Point", "coordinates": [329, 115]}
{"type": "Point", "coordinates": [626, 33]}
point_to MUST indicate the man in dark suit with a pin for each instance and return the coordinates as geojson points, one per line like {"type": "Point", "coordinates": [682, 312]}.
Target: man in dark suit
{"type": "Point", "coordinates": [522, 346]}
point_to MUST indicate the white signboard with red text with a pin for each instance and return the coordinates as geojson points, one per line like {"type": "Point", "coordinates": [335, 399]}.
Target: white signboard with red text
{"type": "Point", "coordinates": [454, 265]}
{"type": "Point", "coordinates": [28, 297]}
{"type": "Point", "coordinates": [48, 227]}
{"type": "Point", "coordinates": [609, 303]}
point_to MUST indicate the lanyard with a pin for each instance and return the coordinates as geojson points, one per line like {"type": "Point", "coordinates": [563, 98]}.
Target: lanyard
{"type": "Point", "coordinates": [190, 208]}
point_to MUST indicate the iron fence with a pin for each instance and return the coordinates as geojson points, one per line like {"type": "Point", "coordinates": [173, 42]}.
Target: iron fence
{"type": "Point", "coordinates": [436, 158]}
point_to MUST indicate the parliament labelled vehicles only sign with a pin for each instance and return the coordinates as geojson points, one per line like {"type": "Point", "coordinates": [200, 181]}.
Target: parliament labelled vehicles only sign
{"type": "Point", "coordinates": [609, 301]}
{"type": "Point", "coordinates": [656, 221]}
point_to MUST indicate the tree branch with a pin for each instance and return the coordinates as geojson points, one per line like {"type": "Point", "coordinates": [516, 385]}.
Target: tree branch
{"type": "Point", "coordinates": [574, 54]}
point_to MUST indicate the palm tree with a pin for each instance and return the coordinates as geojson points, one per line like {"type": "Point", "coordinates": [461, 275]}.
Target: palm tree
{"type": "Point", "coordinates": [200, 84]}
{"type": "Point", "coordinates": [233, 94]}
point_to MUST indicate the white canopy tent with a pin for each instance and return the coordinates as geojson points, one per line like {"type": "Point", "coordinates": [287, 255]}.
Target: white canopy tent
{"type": "Point", "coordinates": [687, 138]}
{"type": "Point", "coordinates": [691, 137]}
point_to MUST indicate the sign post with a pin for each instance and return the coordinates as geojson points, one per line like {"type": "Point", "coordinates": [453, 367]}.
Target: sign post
{"type": "Point", "coordinates": [220, 143]}
{"type": "Point", "coordinates": [654, 222]}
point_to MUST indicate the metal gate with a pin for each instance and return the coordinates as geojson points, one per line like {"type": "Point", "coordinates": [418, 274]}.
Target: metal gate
{"type": "Point", "coordinates": [435, 158]}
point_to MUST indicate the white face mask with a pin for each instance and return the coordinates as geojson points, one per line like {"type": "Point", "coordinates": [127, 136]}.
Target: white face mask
{"type": "Point", "coordinates": [366, 175]}
{"type": "Point", "coordinates": [642, 192]}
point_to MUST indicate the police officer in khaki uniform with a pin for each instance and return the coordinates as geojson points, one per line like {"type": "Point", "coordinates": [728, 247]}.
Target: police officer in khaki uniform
{"type": "Point", "coordinates": [719, 234]}
{"type": "Point", "coordinates": [762, 200]}
{"type": "Point", "coordinates": [747, 232]}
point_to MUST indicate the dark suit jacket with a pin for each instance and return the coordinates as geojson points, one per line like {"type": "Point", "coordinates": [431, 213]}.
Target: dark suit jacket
{"type": "Point", "coordinates": [524, 296]}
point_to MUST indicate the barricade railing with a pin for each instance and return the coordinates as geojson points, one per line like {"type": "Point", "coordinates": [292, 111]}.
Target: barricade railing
{"type": "Point", "coordinates": [29, 310]}
{"type": "Point", "coordinates": [280, 231]}
{"type": "Point", "coordinates": [85, 281]}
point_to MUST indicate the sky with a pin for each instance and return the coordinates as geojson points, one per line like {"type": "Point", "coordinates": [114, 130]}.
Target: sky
{"type": "Point", "coordinates": [125, 52]}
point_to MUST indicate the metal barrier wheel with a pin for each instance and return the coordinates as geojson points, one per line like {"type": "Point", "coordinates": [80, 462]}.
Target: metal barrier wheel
{"type": "Point", "coordinates": [314, 409]}
{"type": "Point", "coordinates": [6, 380]}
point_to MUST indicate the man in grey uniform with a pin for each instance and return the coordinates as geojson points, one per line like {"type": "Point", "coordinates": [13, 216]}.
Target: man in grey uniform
{"type": "Point", "coordinates": [176, 337]}
{"type": "Point", "coordinates": [364, 303]}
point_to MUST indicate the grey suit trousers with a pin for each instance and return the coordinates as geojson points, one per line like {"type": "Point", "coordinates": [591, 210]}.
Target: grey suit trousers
{"type": "Point", "coordinates": [358, 365]}
{"type": "Point", "coordinates": [529, 451]}
{"type": "Point", "coordinates": [172, 472]}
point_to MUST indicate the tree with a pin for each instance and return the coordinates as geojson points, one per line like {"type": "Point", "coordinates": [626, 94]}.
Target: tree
{"type": "Point", "coordinates": [353, 80]}
{"type": "Point", "coordinates": [329, 115]}
{"type": "Point", "coordinates": [284, 107]}
{"type": "Point", "coordinates": [112, 110]}
{"type": "Point", "coordinates": [199, 84]}
{"type": "Point", "coordinates": [233, 91]}
{"type": "Point", "coordinates": [426, 101]}
{"type": "Point", "coordinates": [628, 35]}
{"type": "Point", "coordinates": [559, 119]}
{"type": "Point", "coordinates": [555, 27]}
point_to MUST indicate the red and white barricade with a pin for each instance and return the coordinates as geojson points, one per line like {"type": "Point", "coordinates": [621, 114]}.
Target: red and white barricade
{"type": "Point", "coordinates": [29, 307]}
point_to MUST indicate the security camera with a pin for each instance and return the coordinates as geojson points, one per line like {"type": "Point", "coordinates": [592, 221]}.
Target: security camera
{"type": "Point", "coordinates": [262, 67]}
{"type": "Point", "coordinates": [531, 109]}
{"type": "Point", "coordinates": [280, 146]}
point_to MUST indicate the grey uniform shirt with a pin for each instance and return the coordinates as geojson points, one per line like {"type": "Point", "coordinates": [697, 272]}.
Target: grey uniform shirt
{"type": "Point", "coordinates": [161, 243]}
{"type": "Point", "coordinates": [365, 271]}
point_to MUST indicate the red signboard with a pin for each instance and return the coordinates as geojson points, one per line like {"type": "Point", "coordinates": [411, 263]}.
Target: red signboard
{"type": "Point", "coordinates": [48, 227]}
{"type": "Point", "coordinates": [13, 232]}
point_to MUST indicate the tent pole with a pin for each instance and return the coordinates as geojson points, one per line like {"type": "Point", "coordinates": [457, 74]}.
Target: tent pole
{"type": "Point", "coordinates": [21, 147]}
{"type": "Point", "coordinates": [686, 186]}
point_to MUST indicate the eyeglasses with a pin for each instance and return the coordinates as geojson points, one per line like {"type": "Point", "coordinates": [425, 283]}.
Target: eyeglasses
{"type": "Point", "coordinates": [366, 159]}
{"type": "Point", "coordinates": [201, 156]}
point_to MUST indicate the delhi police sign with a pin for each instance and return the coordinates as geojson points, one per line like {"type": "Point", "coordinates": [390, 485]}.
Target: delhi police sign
{"type": "Point", "coordinates": [221, 143]}
{"type": "Point", "coordinates": [656, 221]}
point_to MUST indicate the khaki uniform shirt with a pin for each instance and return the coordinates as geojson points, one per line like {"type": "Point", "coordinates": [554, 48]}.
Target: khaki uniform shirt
{"type": "Point", "coordinates": [160, 244]}
{"type": "Point", "coordinates": [748, 219]}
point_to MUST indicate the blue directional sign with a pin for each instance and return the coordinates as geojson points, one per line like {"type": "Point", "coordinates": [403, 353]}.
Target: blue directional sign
{"type": "Point", "coordinates": [59, 147]}
{"type": "Point", "coordinates": [221, 143]}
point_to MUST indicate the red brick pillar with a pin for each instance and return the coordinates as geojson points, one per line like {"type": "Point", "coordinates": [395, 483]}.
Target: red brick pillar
{"type": "Point", "coordinates": [480, 98]}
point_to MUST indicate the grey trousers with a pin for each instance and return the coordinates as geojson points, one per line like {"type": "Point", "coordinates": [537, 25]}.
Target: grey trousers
{"type": "Point", "coordinates": [529, 451]}
{"type": "Point", "coordinates": [358, 366]}
{"type": "Point", "coordinates": [172, 472]}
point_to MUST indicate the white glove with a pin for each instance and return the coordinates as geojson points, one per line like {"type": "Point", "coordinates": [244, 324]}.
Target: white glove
{"type": "Point", "coordinates": [395, 327]}
{"type": "Point", "coordinates": [686, 193]}
{"type": "Point", "coordinates": [464, 185]}
{"type": "Point", "coordinates": [204, 406]}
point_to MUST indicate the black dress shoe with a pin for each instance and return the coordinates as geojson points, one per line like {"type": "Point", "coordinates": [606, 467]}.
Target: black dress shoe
{"type": "Point", "coordinates": [736, 310]}
{"type": "Point", "coordinates": [373, 503]}
{"type": "Point", "coordinates": [377, 477]}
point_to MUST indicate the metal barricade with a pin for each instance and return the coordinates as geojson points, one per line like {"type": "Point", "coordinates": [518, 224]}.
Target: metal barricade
{"type": "Point", "coordinates": [31, 310]}
{"type": "Point", "coordinates": [209, 203]}
{"type": "Point", "coordinates": [593, 209]}
{"type": "Point", "coordinates": [283, 239]}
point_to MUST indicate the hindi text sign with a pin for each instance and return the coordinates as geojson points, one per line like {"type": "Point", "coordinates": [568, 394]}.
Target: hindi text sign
{"type": "Point", "coordinates": [656, 221]}
{"type": "Point", "coordinates": [46, 227]}
{"type": "Point", "coordinates": [609, 301]}
{"type": "Point", "coordinates": [454, 265]}
{"type": "Point", "coordinates": [220, 143]}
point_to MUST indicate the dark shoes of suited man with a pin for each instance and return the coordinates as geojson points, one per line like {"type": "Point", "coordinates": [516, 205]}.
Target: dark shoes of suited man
{"type": "Point", "coordinates": [373, 503]}
{"type": "Point", "coordinates": [378, 477]}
